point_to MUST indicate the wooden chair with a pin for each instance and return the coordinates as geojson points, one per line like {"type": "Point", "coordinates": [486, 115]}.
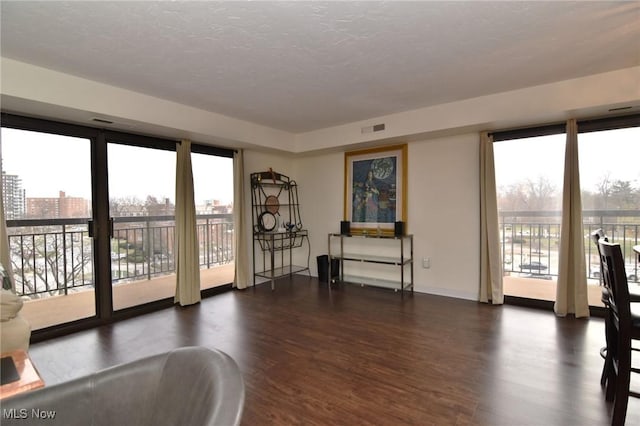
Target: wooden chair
{"type": "Point", "coordinates": [607, 369]}
{"type": "Point", "coordinates": [625, 326]}
{"type": "Point", "coordinates": [634, 296]}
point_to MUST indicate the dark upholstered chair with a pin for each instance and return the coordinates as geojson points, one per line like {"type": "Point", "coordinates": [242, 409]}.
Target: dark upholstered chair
{"type": "Point", "coordinates": [625, 326]}
{"type": "Point", "coordinates": [187, 386]}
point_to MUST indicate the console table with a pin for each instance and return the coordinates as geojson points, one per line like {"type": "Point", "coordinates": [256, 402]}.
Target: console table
{"type": "Point", "coordinates": [394, 252]}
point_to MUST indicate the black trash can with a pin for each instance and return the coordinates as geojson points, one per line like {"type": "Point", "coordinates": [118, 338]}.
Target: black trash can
{"type": "Point", "coordinates": [323, 268]}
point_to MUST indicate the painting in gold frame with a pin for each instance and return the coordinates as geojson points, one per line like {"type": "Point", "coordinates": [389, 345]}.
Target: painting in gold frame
{"type": "Point", "coordinates": [375, 189]}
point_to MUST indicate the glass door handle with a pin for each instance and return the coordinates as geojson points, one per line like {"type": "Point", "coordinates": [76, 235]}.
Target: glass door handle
{"type": "Point", "coordinates": [93, 228]}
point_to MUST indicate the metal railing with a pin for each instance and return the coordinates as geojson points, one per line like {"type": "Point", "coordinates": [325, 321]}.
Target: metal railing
{"type": "Point", "coordinates": [530, 241]}
{"type": "Point", "coordinates": [55, 256]}
{"type": "Point", "coordinates": [50, 256]}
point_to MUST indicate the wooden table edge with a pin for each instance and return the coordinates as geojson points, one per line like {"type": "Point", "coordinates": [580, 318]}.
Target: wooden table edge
{"type": "Point", "coordinates": [30, 378]}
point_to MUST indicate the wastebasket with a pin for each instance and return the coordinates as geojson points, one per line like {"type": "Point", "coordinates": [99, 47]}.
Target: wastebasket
{"type": "Point", "coordinates": [323, 268]}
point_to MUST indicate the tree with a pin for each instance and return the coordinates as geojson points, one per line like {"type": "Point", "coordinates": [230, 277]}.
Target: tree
{"type": "Point", "coordinates": [538, 194]}
{"type": "Point", "coordinates": [541, 194]}
{"type": "Point", "coordinates": [624, 195]}
{"type": "Point", "coordinates": [615, 194]}
{"type": "Point", "coordinates": [51, 262]}
{"type": "Point", "coordinates": [604, 191]}
{"type": "Point", "coordinates": [126, 206]}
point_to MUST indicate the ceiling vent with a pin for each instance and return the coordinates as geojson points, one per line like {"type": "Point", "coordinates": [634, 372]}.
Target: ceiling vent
{"type": "Point", "coordinates": [374, 128]}
{"type": "Point", "coordinates": [619, 109]}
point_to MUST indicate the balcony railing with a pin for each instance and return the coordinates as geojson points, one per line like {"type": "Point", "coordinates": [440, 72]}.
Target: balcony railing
{"type": "Point", "coordinates": [530, 241]}
{"type": "Point", "coordinates": [55, 256]}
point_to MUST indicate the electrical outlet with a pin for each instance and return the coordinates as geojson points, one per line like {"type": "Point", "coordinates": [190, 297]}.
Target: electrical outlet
{"type": "Point", "coordinates": [426, 262]}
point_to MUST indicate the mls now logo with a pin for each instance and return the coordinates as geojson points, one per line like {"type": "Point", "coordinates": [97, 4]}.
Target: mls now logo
{"type": "Point", "coordinates": [15, 413]}
{"type": "Point", "coordinates": [23, 413]}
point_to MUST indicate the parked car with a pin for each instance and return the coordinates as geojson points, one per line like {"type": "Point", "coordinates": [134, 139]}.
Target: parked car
{"type": "Point", "coordinates": [534, 266]}
{"type": "Point", "coordinates": [631, 272]}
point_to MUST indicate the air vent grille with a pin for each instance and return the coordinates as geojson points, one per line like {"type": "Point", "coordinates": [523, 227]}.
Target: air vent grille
{"type": "Point", "coordinates": [101, 120]}
{"type": "Point", "coordinates": [374, 128]}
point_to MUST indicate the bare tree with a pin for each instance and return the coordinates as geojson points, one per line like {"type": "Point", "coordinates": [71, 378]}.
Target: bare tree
{"type": "Point", "coordinates": [541, 194]}
{"type": "Point", "coordinates": [538, 194]}
{"type": "Point", "coordinates": [615, 194]}
{"type": "Point", "coordinates": [604, 191]}
{"type": "Point", "coordinates": [126, 206]}
{"type": "Point", "coordinates": [49, 263]}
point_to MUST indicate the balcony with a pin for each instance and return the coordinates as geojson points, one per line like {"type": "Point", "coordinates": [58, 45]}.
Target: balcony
{"type": "Point", "coordinates": [52, 263]}
{"type": "Point", "coordinates": [530, 242]}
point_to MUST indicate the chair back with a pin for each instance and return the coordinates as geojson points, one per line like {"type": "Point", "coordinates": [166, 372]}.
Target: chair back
{"type": "Point", "coordinates": [596, 236]}
{"type": "Point", "coordinates": [615, 281]}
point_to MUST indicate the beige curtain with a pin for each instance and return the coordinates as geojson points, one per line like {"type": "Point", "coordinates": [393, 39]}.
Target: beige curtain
{"type": "Point", "coordinates": [571, 292]}
{"type": "Point", "coordinates": [490, 257]}
{"type": "Point", "coordinates": [240, 246]}
{"type": "Point", "coordinates": [5, 256]}
{"type": "Point", "coordinates": [186, 245]}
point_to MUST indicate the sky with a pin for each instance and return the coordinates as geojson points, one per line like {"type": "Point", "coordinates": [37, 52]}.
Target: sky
{"type": "Point", "coordinates": [49, 163]}
{"type": "Point", "coordinates": [612, 152]}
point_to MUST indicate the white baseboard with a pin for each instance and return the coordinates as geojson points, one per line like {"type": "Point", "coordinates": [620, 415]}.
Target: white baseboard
{"type": "Point", "coordinates": [448, 292]}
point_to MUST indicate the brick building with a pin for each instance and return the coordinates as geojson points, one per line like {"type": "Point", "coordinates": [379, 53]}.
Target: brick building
{"type": "Point", "coordinates": [54, 208]}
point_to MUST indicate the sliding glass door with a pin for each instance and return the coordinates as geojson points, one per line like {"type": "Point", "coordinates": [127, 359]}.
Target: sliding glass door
{"type": "Point", "coordinates": [141, 205]}
{"type": "Point", "coordinates": [610, 182]}
{"type": "Point", "coordinates": [213, 191]}
{"type": "Point", "coordinates": [47, 195]}
{"type": "Point", "coordinates": [91, 219]}
{"type": "Point", "coordinates": [529, 176]}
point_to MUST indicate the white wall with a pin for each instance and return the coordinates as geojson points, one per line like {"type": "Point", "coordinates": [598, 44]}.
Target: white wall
{"type": "Point", "coordinates": [444, 214]}
{"type": "Point", "coordinates": [320, 188]}
{"type": "Point", "coordinates": [443, 211]}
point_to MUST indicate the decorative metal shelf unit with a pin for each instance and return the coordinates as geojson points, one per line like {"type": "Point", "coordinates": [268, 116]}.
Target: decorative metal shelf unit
{"type": "Point", "coordinates": [402, 259]}
{"type": "Point", "coordinates": [277, 226]}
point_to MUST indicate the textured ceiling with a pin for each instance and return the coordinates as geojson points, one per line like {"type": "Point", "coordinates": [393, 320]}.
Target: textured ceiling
{"type": "Point", "coordinates": [300, 66]}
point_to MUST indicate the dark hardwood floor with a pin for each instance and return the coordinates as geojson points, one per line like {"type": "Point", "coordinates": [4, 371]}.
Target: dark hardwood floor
{"type": "Point", "coordinates": [365, 356]}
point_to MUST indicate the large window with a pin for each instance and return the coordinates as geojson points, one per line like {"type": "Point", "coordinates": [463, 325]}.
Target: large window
{"type": "Point", "coordinates": [529, 178]}
{"type": "Point", "coordinates": [90, 215]}
{"type": "Point", "coordinates": [46, 190]}
{"type": "Point", "coordinates": [529, 175]}
{"type": "Point", "coordinates": [610, 182]}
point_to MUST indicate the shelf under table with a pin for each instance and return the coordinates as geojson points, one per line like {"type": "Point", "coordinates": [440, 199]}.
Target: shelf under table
{"type": "Point", "coordinates": [386, 260]}
{"type": "Point", "coordinates": [376, 282]}
{"type": "Point", "coordinates": [282, 271]}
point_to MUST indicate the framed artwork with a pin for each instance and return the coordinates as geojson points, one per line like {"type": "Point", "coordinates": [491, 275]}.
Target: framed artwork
{"type": "Point", "coordinates": [375, 189]}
